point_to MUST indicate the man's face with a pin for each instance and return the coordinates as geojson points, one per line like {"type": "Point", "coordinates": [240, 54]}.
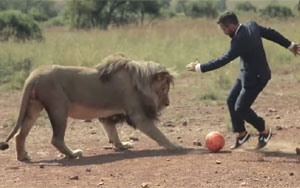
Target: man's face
{"type": "Point", "coordinates": [229, 29]}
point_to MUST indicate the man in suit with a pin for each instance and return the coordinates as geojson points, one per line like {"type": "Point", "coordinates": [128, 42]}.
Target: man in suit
{"type": "Point", "coordinates": [255, 73]}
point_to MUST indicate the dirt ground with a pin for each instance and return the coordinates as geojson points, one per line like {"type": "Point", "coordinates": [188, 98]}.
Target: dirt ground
{"type": "Point", "coordinates": [149, 165]}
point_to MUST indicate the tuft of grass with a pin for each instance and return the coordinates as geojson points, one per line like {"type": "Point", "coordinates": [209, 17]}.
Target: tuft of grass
{"type": "Point", "coordinates": [13, 73]}
{"type": "Point", "coordinates": [211, 95]}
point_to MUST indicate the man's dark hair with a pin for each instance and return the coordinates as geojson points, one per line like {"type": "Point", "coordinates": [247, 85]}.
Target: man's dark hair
{"type": "Point", "coordinates": [227, 18]}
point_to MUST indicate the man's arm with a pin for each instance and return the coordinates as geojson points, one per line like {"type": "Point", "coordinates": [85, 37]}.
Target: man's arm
{"type": "Point", "coordinates": [230, 55]}
{"type": "Point", "coordinates": [274, 36]}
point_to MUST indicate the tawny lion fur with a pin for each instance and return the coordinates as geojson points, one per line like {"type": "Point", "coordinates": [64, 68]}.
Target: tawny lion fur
{"type": "Point", "coordinates": [118, 89]}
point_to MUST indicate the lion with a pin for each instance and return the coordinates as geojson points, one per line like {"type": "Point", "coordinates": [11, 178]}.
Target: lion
{"type": "Point", "coordinates": [119, 89]}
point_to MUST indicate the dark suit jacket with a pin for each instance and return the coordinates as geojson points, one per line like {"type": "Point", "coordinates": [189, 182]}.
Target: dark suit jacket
{"type": "Point", "coordinates": [247, 44]}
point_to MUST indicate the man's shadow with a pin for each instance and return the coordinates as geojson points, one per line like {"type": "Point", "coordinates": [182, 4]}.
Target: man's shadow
{"type": "Point", "coordinates": [278, 154]}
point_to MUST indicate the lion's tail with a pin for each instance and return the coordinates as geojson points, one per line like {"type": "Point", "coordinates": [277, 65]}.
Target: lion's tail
{"type": "Point", "coordinates": [25, 99]}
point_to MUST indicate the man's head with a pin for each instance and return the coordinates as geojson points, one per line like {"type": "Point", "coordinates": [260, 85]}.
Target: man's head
{"type": "Point", "coordinates": [229, 23]}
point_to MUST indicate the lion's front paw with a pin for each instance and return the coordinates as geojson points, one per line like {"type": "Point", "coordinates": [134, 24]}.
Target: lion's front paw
{"type": "Point", "coordinates": [123, 146]}
{"type": "Point", "coordinates": [24, 157]}
{"type": "Point", "coordinates": [76, 153]}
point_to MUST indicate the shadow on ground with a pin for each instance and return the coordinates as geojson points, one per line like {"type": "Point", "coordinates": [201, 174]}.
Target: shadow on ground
{"type": "Point", "coordinates": [124, 155]}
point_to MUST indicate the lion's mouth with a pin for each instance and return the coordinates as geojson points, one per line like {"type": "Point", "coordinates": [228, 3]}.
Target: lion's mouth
{"type": "Point", "coordinates": [159, 111]}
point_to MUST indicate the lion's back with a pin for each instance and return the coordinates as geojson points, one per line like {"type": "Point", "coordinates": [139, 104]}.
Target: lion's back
{"type": "Point", "coordinates": [82, 85]}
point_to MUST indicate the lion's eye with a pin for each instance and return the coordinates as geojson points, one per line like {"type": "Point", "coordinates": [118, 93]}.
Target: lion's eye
{"type": "Point", "coordinates": [165, 90]}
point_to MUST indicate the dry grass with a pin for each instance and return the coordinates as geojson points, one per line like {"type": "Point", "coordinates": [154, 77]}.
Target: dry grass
{"type": "Point", "coordinates": [173, 43]}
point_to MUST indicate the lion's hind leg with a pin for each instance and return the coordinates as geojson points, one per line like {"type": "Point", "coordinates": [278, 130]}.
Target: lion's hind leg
{"type": "Point", "coordinates": [109, 125]}
{"type": "Point", "coordinates": [32, 112]}
{"type": "Point", "coordinates": [58, 119]}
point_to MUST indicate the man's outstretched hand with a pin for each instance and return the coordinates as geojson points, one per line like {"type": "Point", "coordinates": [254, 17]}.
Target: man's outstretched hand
{"type": "Point", "coordinates": [295, 49]}
{"type": "Point", "coordinates": [191, 66]}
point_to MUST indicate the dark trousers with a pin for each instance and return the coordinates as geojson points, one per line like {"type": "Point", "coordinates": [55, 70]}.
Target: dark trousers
{"type": "Point", "coordinates": [239, 101]}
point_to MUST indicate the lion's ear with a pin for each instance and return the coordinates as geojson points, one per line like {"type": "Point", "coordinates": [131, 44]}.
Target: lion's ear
{"type": "Point", "coordinates": [160, 76]}
{"type": "Point", "coordinates": [163, 77]}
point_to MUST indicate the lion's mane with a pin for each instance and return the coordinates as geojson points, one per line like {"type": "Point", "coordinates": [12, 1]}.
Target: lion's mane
{"type": "Point", "coordinates": [142, 75]}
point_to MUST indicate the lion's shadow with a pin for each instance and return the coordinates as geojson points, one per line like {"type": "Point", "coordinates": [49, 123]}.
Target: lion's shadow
{"type": "Point", "coordinates": [134, 154]}
{"type": "Point", "coordinates": [119, 156]}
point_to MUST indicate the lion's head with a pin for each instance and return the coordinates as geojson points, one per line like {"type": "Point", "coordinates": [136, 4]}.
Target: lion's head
{"type": "Point", "coordinates": [151, 80]}
{"type": "Point", "coordinates": [160, 87]}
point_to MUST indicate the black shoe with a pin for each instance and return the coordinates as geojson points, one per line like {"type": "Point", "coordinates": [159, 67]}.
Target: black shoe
{"type": "Point", "coordinates": [263, 139]}
{"type": "Point", "coordinates": [240, 140]}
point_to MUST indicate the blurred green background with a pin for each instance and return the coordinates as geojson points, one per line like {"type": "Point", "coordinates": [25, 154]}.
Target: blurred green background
{"type": "Point", "coordinates": [168, 34]}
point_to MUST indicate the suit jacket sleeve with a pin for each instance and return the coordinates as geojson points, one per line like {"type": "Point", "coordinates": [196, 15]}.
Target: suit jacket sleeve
{"type": "Point", "coordinates": [274, 36]}
{"type": "Point", "coordinates": [230, 55]}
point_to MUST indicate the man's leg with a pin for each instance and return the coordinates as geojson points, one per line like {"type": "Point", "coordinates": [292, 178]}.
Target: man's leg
{"type": "Point", "coordinates": [244, 101]}
{"type": "Point", "coordinates": [243, 104]}
{"type": "Point", "coordinates": [238, 124]}
{"type": "Point", "coordinates": [242, 108]}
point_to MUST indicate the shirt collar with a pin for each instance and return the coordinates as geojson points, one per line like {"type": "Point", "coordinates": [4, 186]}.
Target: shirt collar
{"type": "Point", "coordinates": [237, 29]}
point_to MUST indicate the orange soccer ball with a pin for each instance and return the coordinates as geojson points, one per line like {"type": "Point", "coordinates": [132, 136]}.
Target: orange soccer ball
{"type": "Point", "coordinates": [214, 141]}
